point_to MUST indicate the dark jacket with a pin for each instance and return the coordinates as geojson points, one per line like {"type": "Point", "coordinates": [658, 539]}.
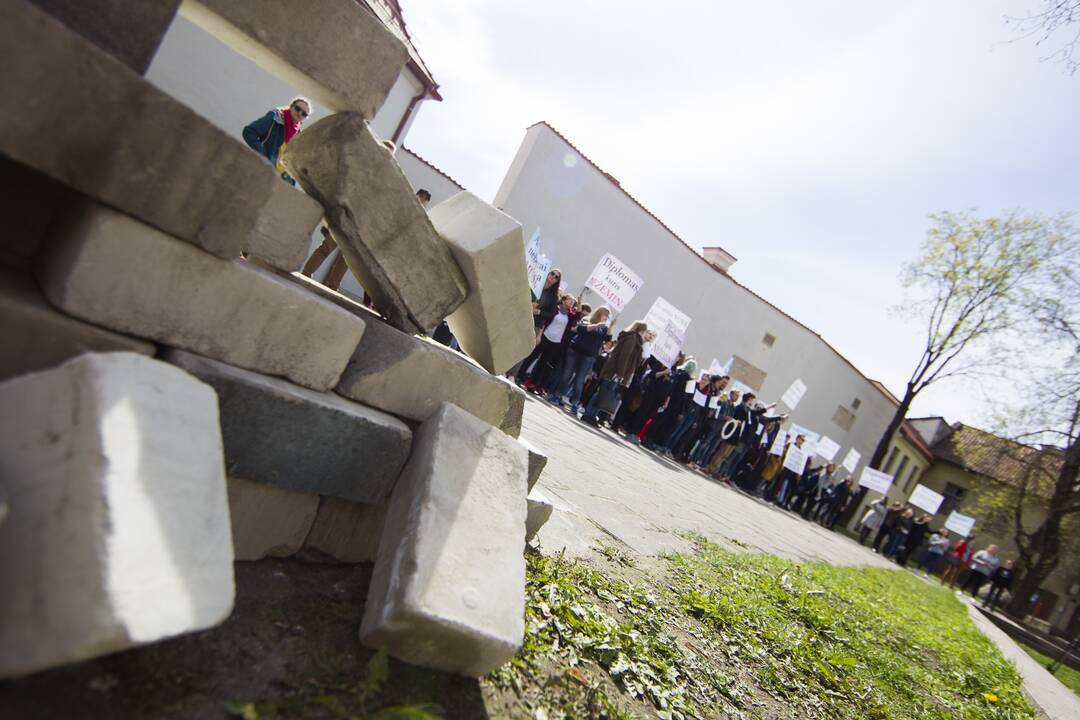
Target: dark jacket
{"type": "Point", "coordinates": [1003, 577]}
{"type": "Point", "coordinates": [266, 135]}
{"type": "Point", "coordinates": [589, 342]}
{"type": "Point", "coordinates": [624, 358]}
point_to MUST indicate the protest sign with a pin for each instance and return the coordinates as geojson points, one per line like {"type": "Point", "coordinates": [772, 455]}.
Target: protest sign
{"type": "Point", "coordinates": [795, 459]}
{"type": "Point", "coordinates": [777, 447]}
{"type": "Point", "coordinates": [714, 402]}
{"type": "Point", "coordinates": [794, 393]}
{"type": "Point", "coordinates": [700, 398]}
{"type": "Point", "coordinates": [715, 368]}
{"type": "Point", "coordinates": [614, 282]}
{"type": "Point", "coordinates": [876, 480]}
{"type": "Point", "coordinates": [536, 263]}
{"type": "Point", "coordinates": [925, 498]}
{"type": "Point", "coordinates": [851, 460]}
{"type": "Point", "coordinates": [827, 448]}
{"type": "Point", "coordinates": [810, 446]}
{"type": "Point", "coordinates": [961, 524]}
{"type": "Point", "coordinates": [670, 325]}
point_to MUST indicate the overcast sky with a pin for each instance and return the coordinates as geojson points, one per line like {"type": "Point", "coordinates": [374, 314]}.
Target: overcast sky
{"type": "Point", "coordinates": [808, 138]}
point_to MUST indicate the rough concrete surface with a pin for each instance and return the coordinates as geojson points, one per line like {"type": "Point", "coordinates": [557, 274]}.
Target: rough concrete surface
{"type": "Point", "coordinates": [37, 337]}
{"type": "Point", "coordinates": [448, 591]}
{"type": "Point", "coordinates": [410, 376]}
{"type": "Point", "coordinates": [268, 520]}
{"type": "Point", "coordinates": [383, 232]}
{"type": "Point", "coordinates": [119, 533]}
{"type": "Point", "coordinates": [114, 271]}
{"type": "Point", "coordinates": [539, 512]}
{"type": "Point", "coordinates": [495, 323]}
{"type": "Point", "coordinates": [276, 432]}
{"type": "Point", "coordinates": [347, 531]}
{"type": "Point", "coordinates": [207, 190]}
{"type": "Point", "coordinates": [338, 52]}
{"type": "Point", "coordinates": [282, 232]}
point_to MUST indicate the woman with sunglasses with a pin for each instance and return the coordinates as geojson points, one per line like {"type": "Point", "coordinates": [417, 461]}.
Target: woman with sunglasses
{"type": "Point", "coordinates": [268, 135]}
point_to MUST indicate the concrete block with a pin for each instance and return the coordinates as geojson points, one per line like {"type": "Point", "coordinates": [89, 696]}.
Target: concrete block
{"type": "Point", "coordinates": [448, 590]}
{"type": "Point", "coordinates": [336, 51]}
{"type": "Point", "coordinates": [282, 232]}
{"type": "Point", "coordinates": [347, 531]}
{"type": "Point", "coordinates": [119, 531]}
{"type": "Point", "coordinates": [278, 433]}
{"type": "Point", "coordinates": [538, 512]}
{"type": "Point", "coordinates": [411, 376]}
{"type": "Point", "coordinates": [129, 30]}
{"type": "Point", "coordinates": [537, 462]}
{"type": "Point", "coordinates": [138, 149]}
{"type": "Point", "coordinates": [268, 520]}
{"type": "Point", "coordinates": [495, 323]}
{"type": "Point", "coordinates": [37, 337]}
{"type": "Point", "coordinates": [29, 202]}
{"type": "Point", "coordinates": [112, 270]}
{"type": "Point", "coordinates": [383, 232]}
{"type": "Point", "coordinates": [3, 504]}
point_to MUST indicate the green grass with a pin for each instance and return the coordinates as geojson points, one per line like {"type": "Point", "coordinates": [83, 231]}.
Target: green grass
{"type": "Point", "coordinates": [751, 636]}
{"type": "Point", "coordinates": [1069, 677]}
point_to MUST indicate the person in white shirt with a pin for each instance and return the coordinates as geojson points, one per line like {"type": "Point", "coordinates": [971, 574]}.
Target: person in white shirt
{"type": "Point", "coordinates": [983, 565]}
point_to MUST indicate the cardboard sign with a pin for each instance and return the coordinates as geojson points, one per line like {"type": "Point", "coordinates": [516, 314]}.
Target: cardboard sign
{"type": "Point", "coordinates": [794, 393]}
{"type": "Point", "coordinates": [827, 448]}
{"type": "Point", "coordinates": [810, 446]}
{"type": "Point", "coordinates": [670, 325]}
{"type": "Point", "coordinates": [714, 402]}
{"type": "Point", "coordinates": [875, 480]}
{"type": "Point", "coordinates": [777, 448]}
{"type": "Point", "coordinates": [960, 524]}
{"type": "Point", "coordinates": [796, 458]}
{"type": "Point", "coordinates": [536, 263]}
{"type": "Point", "coordinates": [612, 280]}
{"type": "Point", "coordinates": [700, 398]}
{"type": "Point", "coordinates": [851, 460]}
{"type": "Point", "coordinates": [926, 499]}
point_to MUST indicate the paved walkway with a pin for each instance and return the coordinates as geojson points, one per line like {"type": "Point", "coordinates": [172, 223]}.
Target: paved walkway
{"type": "Point", "coordinates": [603, 487]}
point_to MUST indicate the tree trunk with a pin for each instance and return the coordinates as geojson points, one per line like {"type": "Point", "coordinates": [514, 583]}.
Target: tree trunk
{"type": "Point", "coordinates": [1040, 560]}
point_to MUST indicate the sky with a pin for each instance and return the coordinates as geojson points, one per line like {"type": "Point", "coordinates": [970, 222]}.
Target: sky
{"type": "Point", "coordinates": [809, 139]}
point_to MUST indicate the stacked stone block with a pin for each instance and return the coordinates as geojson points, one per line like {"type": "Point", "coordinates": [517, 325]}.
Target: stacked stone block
{"type": "Point", "coordinates": [275, 421]}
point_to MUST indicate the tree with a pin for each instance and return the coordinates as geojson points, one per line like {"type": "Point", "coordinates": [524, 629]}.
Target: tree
{"type": "Point", "coordinates": [1057, 19]}
{"type": "Point", "coordinates": [972, 279]}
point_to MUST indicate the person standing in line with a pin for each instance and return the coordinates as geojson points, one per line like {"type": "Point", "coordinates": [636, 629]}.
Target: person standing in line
{"type": "Point", "coordinates": [548, 352]}
{"type": "Point", "coordinates": [717, 417]}
{"type": "Point", "coordinates": [746, 414]}
{"type": "Point", "coordinates": [957, 560]}
{"type": "Point", "coordinates": [618, 370]}
{"type": "Point", "coordinates": [547, 305]}
{"type": "Point", "coordinates": [871, 520]}
{"type": "Point", "coordinates": [888, 525]}
{"type": "Point", "coordinates": [671, 410]}
{"type": "Point", "coordinates": [1001, 581]}
{"type": "Point", "coordinates": [786, 476]}
{"type": "Point", "coordinates": [915, 538]}
{"type": "Point", "coordinates": [983, 566]}
{"type": "Point", "coordinates": [585, 344]}
{"type": "Point", "coordinates": [656, 388]}
{"type": "Point", "coordinates": [935, 550]}
{"type": "Point", "coordinates": [694, 408]}
{"type": "Point", "coordinates": [841, 496]}
{"type": "Point", "coordinates": [271, 132]}
{"type": "Point", "coordinates": [900, 532]}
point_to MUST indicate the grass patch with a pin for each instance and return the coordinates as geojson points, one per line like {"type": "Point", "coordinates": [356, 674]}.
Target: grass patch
{"type": "Point", "coordinates": [748, 636]}
{"type": "Point", "coordinates": [1069, 677]}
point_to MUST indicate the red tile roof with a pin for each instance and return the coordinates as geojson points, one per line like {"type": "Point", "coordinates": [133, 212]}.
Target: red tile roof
{"type": "Point", "coordinates": [715, 269]}
{"type": "Point", "coordinates": [998, 458]}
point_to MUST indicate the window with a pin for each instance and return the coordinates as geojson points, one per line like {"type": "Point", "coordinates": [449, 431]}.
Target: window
{"type": "Point", "coordinates": [954, 498]}
{"type": "Point", "coordinates": [769, 339]}
{"type": "Point", "coordinates": [751, 376]}
{"type": "Point", "coordinates": [844, 418]}
{"type": "Point", "coordinates": [900, 468]}
{"type": "Point", "coordinates": [856, 403]}
{"type": "Point", "coordinates": [912, 476]}
{"type": "Point", "coordinates": [892, 458]}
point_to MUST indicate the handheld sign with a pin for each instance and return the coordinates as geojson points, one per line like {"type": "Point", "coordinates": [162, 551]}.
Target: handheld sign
{"type": "Point", "coordinates": [960, 524]}
{"type": "Point", "coordinates": [875, 480]}
{"type": "Point", "coordinates": [926, 499]}
{"type": "Point", "coordinates": [810, 445]}
{"type": "Point", "coordinates": [714, 402]}
{"type": "Point", "coordinates": [794, 393]}
{"type": "Point", "coordinates": [690, 385]}
{"type": "Point", "coordinates": [612, 280]}
{"type": "Point", "coordinates": [715, 368]}
{"type": "Point", "coordinates": [700, 398]}
{"type": "Point", "coordinates": [795, 460]}
{"type": "Point", "coordinates": [851, 460]}
{"type": "Point", "coordinates": [670, 325]}
{"type": "Point", "coordinates": [777, 448]}
{"type": "Point", "coordinates": [536, 263]}
{"type": "Point", "coordinates": [827, 448]}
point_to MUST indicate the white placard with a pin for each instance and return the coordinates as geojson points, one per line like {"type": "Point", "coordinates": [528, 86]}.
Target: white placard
{"type": "Point", "coordinates": [925, 498]}
{"type": "Point", "coordinates": [536, 263]}
{"type": "Point", "coordinates": [875, 480]}
{"type": "Point", "coordinates": [777, 447]}
{"type": "Point", "coordinates": [714, 401]}
{"type": "Point", "coordinates": [961, 524]}
{"type": "Point", "coordinates": [794, 393]}
{"type": "Point", "coordinates": [827, 448]}
{"type": "Point", "coordinates": [851, 460]}
{"type": "Point", "coordinates": [810, 446]}
{"type": "Point", "coordinates": [741, 387]}
{"type": "Point", "coordinates": [690, 385]}
{"type": "Point", "coordinates": [700, 398]}
{"type": "Point", "coordinates": [715, 368]}
{"type": "Point", "coordinates": [796, 458]}
{"type": "Point", "coordinates": [612, 280]}
{"type": "Point", "coordinates": [670, 325]}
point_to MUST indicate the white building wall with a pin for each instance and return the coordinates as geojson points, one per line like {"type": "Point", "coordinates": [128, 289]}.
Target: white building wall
{"type": "Point", "coordinates": [422, 175]}
{"type": "Point", "coordinates": [582, 214]}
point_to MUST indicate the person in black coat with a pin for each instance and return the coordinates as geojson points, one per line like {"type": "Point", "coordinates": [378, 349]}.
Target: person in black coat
{"type": "Point", "coordinates": [915, 538]}
{"type": "Point", "coordinates": [1000, 581]}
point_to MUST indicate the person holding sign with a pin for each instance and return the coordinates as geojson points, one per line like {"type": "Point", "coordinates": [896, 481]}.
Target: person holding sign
{"type": "Point", "coordinates": [935, 550]}
{"type": "Point", "coordinates": [585, 344]}
{"type": "Point", "coordinates": [840, 498]}
{"type": "Point", "coordinates": [694, 409]}
{"type": "Point", "coordinates": [914, 539]}
{"type": "Point", "coordinates": [672, 408]}
{"type": "Point", "coordinates": [790, 471]}
{"type": "Point", "coordinates": [545, 306]}
{"type": "Point", "coordinates": [721, 406]}
{"type": "Point", "coordinates": [983, 566]}
{"type": "Point", "coordinates": [548, 352]}
{"type": "Point", "coordinates": [618, 370]}
{"type": "Point", "coordinates": [871, 521]}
